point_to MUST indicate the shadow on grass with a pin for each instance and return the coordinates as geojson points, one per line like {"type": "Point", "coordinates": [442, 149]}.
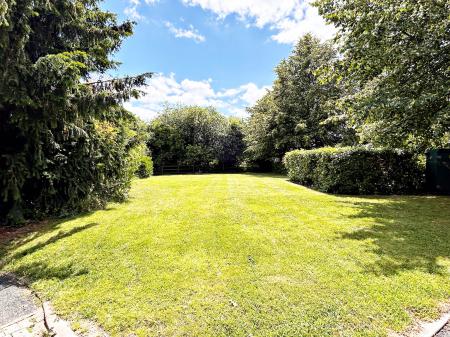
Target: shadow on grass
{"type": "Point", "coordinates": [38, 270]}
{"type": "Point", "coordinates": [408, 232]}
{"type": "Point", "coordinates": [21, 235]}
{"type": "Point", "coordinates": [53, 239]}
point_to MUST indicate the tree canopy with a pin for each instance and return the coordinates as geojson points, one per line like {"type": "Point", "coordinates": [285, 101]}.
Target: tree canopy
{"type": "Point", "coordinates": [396, 68]}
{"type": "Point", "coordinates": [297, 112]}
{"type": "Point", "coordinates": [194, 136]}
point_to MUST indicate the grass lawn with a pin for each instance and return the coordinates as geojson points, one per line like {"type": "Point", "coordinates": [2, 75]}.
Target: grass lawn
{"type": "Point", "coordinates": [243, 255]}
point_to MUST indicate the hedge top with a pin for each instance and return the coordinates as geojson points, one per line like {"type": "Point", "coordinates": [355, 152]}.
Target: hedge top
{"type": "Point", "coordinates": [346, 149]}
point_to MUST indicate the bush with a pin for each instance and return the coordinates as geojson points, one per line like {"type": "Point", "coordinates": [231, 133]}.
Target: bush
{"type": "Point", "coordinates": [86, 168]}
{"type": "Point", "coordinates": [356, 170]}
{"type": "Point", "coordinates": [145, 168]}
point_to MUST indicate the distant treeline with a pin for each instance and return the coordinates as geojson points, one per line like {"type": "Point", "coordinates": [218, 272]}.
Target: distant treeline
{"type": "Point", "coordinates": [189, 139]}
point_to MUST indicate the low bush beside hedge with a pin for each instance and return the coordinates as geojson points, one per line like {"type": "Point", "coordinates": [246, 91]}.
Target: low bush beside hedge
{"type": "Point", "coordinates": [357, 170]}
{"type": "Point", "coordinates": [145, 168]}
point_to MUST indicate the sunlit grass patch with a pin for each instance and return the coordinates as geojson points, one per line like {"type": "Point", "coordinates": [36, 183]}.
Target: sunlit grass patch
{"type": "Point", "coordinates": [241, 255]}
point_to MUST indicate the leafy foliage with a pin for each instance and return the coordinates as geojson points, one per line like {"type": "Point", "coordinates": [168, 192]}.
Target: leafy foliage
{"type": "Point", "coordinates": [145, 168]}
{"type": "Point", "coordinates": [297, 113]}
{"type": "Point", "coordinates": [63, 142]}
{"type": "Point", "coordinates": [259, 138]}
{"type": "Point", "coordinates": [140, 161]}
{"type": "Point", "coordinates": [198, 137]}
{"type": "Point", "coordinates": [232, 144]}
{"type": "Point", "coordinates": [396, 69]}
{"type": "Point", "coordinates": [355, 170]}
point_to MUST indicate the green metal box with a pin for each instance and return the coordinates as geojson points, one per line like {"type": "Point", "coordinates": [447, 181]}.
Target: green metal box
{"type": "Point", "coordinates": [438, 171]}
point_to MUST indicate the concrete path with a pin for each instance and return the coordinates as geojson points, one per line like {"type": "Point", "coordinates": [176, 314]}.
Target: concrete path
{"type": "Point", "coordinates": [445, 332]}
{"type": "Point", "coordinates": [20, 314]}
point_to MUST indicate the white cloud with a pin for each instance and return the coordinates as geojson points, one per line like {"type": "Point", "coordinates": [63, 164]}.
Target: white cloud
{"type": "Point", "coordinates": [190, 33]}
{"type": "Point", "coordinates": [162, 90]}
{"type": "Point", "coordinates": [290, 19]}
{"type": "Point", "coordinates": [251, 93]}
{"type": "Point", "coordinates": [132, 9]}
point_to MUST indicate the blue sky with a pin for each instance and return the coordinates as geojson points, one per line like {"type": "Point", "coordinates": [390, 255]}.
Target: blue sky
{"type": "Point", "coordinates": [210, 52]}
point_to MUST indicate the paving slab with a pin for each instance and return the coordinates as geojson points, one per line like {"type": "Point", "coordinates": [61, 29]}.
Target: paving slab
{"type": "Point", "coordinates": [23, 315]}
{"type": "Point", "coordinates": [16, 301]}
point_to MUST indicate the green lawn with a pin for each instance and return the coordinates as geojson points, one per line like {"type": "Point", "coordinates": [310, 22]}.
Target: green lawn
{"type": "Point", "coordinates": [243, 255]}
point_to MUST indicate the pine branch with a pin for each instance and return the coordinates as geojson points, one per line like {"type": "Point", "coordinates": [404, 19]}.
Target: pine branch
{"type": "Point", "coordinates": [128, 78]}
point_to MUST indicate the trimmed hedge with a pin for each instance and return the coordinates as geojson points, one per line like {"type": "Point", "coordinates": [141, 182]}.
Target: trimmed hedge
{"type": "Point", "coordinates": [357, 170]}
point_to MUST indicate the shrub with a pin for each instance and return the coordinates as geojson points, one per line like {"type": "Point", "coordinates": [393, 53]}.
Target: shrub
{"type": "Point", "coordinates": [145, 168]}
{"type": "Point", "coordinates": [357, 170]}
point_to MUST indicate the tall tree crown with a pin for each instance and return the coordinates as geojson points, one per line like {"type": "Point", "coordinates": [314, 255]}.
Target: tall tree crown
{"type": "Point", "coordinates": [396, 65]}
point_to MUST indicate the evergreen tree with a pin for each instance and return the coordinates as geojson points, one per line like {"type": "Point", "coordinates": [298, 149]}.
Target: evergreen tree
{"type": "Point", "coordinates": [53, 123]}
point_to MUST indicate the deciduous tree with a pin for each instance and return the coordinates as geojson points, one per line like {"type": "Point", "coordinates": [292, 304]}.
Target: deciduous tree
{"type": "Point", "coordinates": [297, 112]}
{"type": "Point", "coordinates": [195, 136]}
{"type": "Point", "coordinates": [396, 66]}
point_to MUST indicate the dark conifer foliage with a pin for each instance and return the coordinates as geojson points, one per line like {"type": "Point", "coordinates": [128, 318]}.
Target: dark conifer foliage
{"type": "Point", "coordinates": [63, 141]}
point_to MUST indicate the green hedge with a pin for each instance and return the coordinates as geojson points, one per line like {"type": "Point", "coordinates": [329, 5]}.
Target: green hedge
{"type": "Point", "coordinates": [145, 168]}
{"type": "Point", "coordinates": [357, 170]}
